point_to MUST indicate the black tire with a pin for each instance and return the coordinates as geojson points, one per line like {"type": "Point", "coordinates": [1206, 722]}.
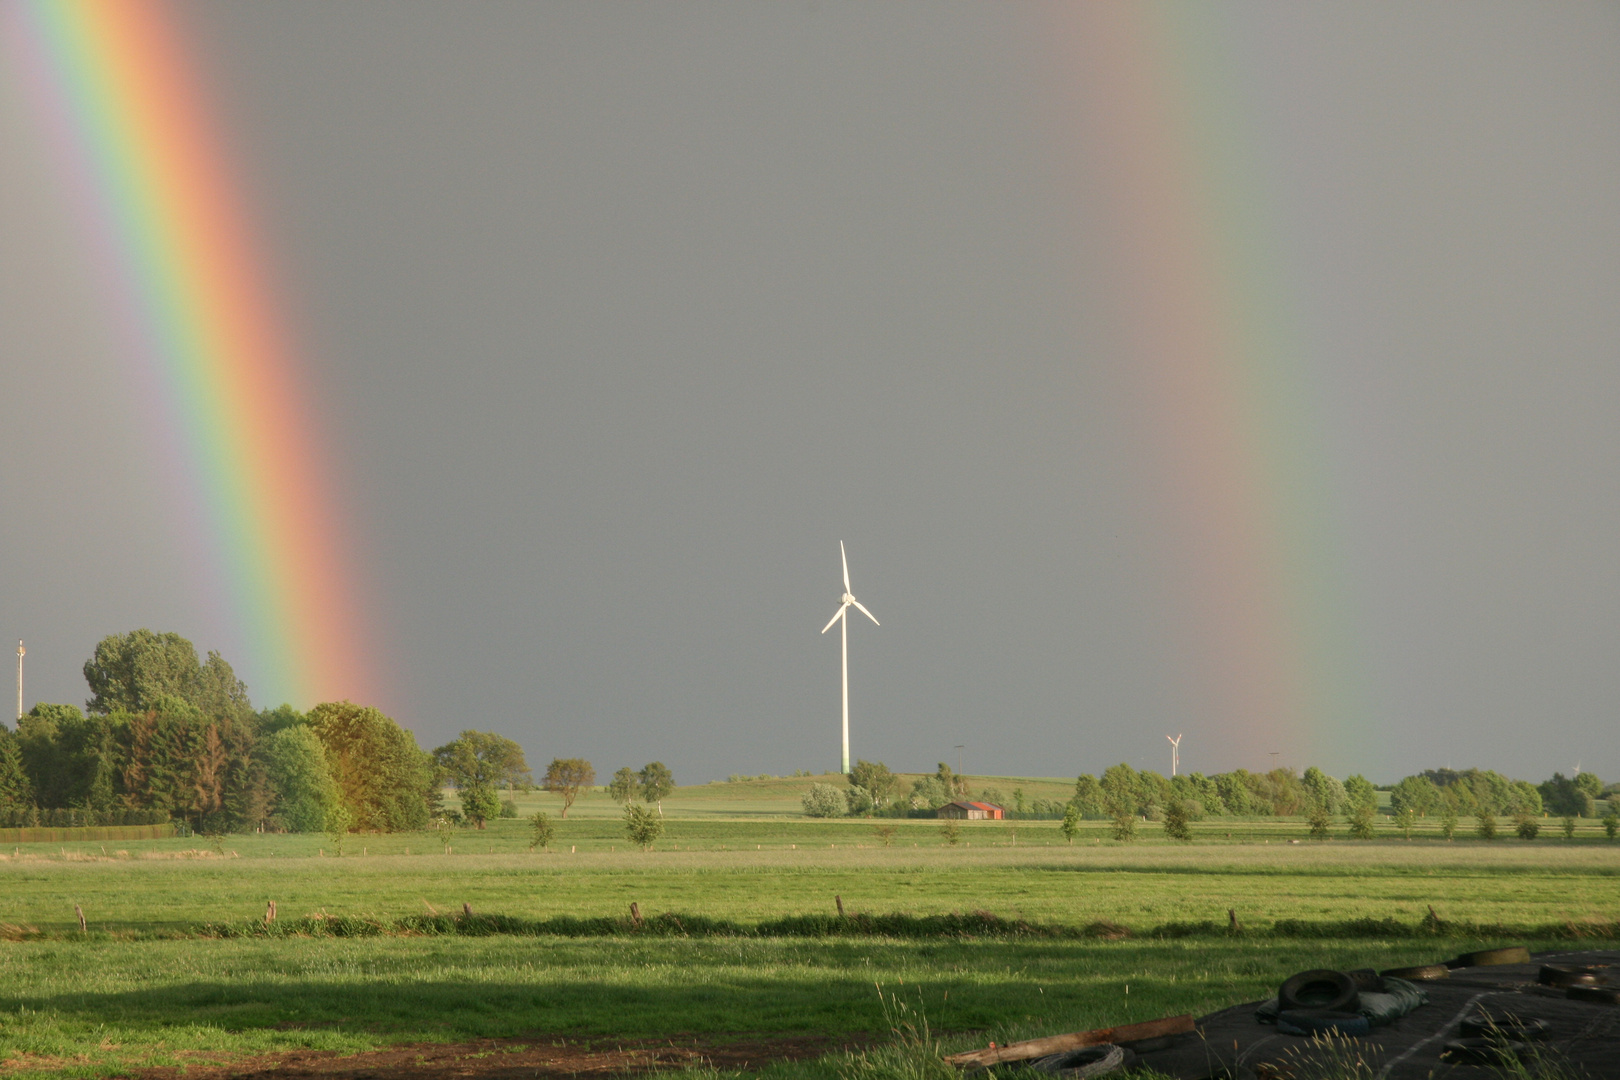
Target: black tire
{"type": "Point", "coordinates": [1424, 973]}
{"type": "Point", "coordinates": [1322, 1022]}
{"type": "Point", "coordinates": [1367, 980]}
{"type": "Point", "coordinates": [1513, 954]}
{"type": "Point", "coordinates": [1511, 1028]}
{"type": "Point", "coordinates": [1560, 975]}
{"type": "Point", "coordinates": [1597, 995]}
{"type": "Point", "coordinates": [1088, 1061]}
{"type": "Point", "coordinates": [1319, 988]}
{"type": "Point", "coordinates": [1482, 1051]}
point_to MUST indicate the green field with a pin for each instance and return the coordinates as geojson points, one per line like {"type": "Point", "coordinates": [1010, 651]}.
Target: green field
{"type": "Point", "coordinates": [141, 987]}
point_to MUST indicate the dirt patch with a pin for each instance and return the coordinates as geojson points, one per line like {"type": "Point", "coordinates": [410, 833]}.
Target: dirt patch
{"type": "Point", "coordinates": [493, 1059]}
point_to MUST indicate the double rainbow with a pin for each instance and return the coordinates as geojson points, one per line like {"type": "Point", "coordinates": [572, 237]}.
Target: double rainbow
{"type": "Point", "coordinates": [162, 204]}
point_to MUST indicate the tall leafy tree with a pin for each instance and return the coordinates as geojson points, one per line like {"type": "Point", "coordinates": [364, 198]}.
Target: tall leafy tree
{"type": "Point", "coordinates": [623, 786]}
{"type": "Point", "coordinates": [131, 672]}
{"type": "Point", "coordinates": [304, 790]}
{"type": "Point", "coordinates": [568, 777]}
{"type": "Point", "coordinates": [655, 782]}
{"type": "Point", "coordinates": [70, 759]}
{"type": "Point", "coordinates": [478, 763]}
{"type": "Point", "coordinates": [16, 793]}
{"type": "Point", "coordinates": [877, 780]}
{"type": "Point", "coordinates": [384, 779]}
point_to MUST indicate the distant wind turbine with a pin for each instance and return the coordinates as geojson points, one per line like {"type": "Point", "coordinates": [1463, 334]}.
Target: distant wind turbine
{"type": "Point", "coordinates": [1175, 754]}
{"type": "Point", "coordinates": [849, 601]}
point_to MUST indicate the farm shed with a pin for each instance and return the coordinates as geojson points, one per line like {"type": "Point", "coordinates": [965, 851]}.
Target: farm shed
{"type": "Point", "coordinates": [972, 811]}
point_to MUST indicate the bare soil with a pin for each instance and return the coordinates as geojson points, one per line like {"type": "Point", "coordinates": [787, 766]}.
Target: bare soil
{"type": "Point", "coordinates": [538, 1056]}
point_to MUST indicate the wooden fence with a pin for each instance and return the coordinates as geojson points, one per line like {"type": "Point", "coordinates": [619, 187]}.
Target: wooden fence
{"type": "Point", "coordinates": [43, 834]}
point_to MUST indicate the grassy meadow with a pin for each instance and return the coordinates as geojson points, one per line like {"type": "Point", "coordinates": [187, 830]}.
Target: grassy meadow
{"type": "Point", "coordinates": [141, 987]}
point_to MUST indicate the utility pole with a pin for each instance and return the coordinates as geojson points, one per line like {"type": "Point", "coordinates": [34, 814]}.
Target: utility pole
{"type": "Point", "coordinates": [20, 652]}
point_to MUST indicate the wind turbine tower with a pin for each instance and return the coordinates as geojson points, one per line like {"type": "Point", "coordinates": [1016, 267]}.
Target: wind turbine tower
{"type": "Point", "coordinates": [843, 632]}
{"type": "Point", "coordinates": [20, 652]}
{"type": "Point", "coordinates": [1175, 754]}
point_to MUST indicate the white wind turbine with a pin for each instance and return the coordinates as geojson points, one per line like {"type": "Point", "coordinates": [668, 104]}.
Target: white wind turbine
{"type": "Point", "coordinates": [843, 609]}
{"type": "Point", "coordinates": [1175, 754]}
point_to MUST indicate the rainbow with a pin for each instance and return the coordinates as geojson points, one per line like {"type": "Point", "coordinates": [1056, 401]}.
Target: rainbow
{"type": "Point", "coordinates": [1210, 321]}
{"type": "Point", "coordinates": [163, 208]}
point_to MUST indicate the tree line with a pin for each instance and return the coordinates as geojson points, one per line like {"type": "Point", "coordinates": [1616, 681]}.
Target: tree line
{"type": "Point", "coordinates": [1124, 795]}
{"type": "Point", "coordinates": [167, 736]}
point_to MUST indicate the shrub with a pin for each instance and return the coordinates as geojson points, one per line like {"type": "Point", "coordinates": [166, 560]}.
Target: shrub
{"type": "Point", "coordinates": [544, 831]}
{"type": "Point", "coordinates": [1071, 822]}
{"type": "Point", "coordinates": [951, 831]}
{"type": "Point", "coordinates": [1405, 818]}
{"type": "Point", "coordinates": [1485, 825]}
{"type": "Point", "coordinates": [509, 808]}
{"type": "Point", "coordinates": [1448, 819]}
{"type": "Point", "coordinates": [1611, 821]}
{"type": "Point", "coordinates": [1525, 824]}
{"type": "Point", "coordinates": [1124, 826]}
{"type": "Point", "coordinates": [642, 826]}
{"type": "Point", "coordinates": [1361, 821]}
{"type": "Point", "coordinates": [1175, 820]}
{"type": "Point", "coordinates": [1321, 821]}
{"type": "Point", "coordinates": [824, 800]}
{"type": "Point", "coordinates": [1569, 826]}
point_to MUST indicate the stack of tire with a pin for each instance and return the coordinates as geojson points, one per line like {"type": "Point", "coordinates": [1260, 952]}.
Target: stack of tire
{"type": "Point", "coordinates": [1324, 1002]}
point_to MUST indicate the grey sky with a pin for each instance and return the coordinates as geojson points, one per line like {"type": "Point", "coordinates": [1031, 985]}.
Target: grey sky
{"type": "Point", "coordinates": [623, 315]}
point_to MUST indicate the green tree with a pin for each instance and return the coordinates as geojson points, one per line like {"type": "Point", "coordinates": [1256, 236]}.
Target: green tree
{"type": "Point", "coordinates": [1122, 794]}
{"type": "Point", "coordinates": [131, 672]}
{"type": "Point", "coordinates": [655, 782]}
{"type": "Point", "coordinates": [1175, 820]}
{"type": "Point", "coordinates": [1236, 794]}
{"type": "Point", "coordinates": [1088, 796]}
{"type": "Point", "coordinates": [642, 826]}
{"type": "Point", "coordinates": [478, 764]}
{"type": "Point", "coordinates": [542, 831]}
{"type": "Point", "coordinates": [384, 780]}
{"type": "Point", "coordinates": [1485, 824]}
{"type": "Point", "coordinates": [16, 793]}
{"type": "Point", "coordinates": [623, 786]}
{"type": "Point", "coordinates": [1448, 816]}
{"type": "Point", "coordinates": [1568, 822]}
{"type": "Point", "coordinates": [1611, 820]}
{"type": "Point", "coordinates": [1071, 822]}
{"type": "Point", "coordinates": [1359, 791]}
{"type": "Point", "coordinates": [1415, 793]}
{"type": "Point", "coordinates": [70, 759]}
{"type": "Point", "coordinates": [824, 801]}
{"type": "Point", "coordinates": [1324, 789]}
{"type": "Point", "coordinates": [1525, 824]}
{"type": "Point", "coordinates": [568, 777]}
{"type": "Point", "coordinates": [1121, 791]}
{"type": "Point", "coordinates": [1321, 821]}
{"type": "Point", "coordinates": [303, 785]}
{"type": "Point", "coordinates": [879, 783]}
{"type": "Point", "coordinates": [1361, 817]}
{"type": "Point", "coordinates": [338, 823]}
{"type": "Point", "coordinates": [1405, 818]}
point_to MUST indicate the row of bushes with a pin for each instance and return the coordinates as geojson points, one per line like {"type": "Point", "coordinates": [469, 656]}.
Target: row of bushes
{"type": "Point", "coordinates": [975, 924]}
{"type": "Point", "coordinates": [32, 817]}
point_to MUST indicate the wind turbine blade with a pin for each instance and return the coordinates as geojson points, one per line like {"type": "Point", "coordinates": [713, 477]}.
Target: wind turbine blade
{"type": "Point", "coordinates": [836, 617]}
{"type": "Point", "coordinates": [868, 614]}
{"type": "Point", "coordinates": [845, 557]}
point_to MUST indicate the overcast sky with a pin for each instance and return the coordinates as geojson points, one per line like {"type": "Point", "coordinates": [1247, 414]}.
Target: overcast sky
{"type": "Point", "coordinates": [621, 316]}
